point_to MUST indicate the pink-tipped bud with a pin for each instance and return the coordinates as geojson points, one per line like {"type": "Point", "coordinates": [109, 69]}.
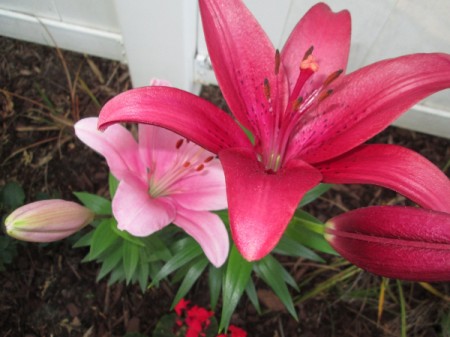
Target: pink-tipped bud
{"type": "Point", "coordinates": [399, 242]}
{"type": "Point", "coordinates": [47, 220]}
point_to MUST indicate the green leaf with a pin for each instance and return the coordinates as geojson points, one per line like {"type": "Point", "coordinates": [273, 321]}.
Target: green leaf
{"type": "Point", "coordinates": [12, 195]}
{"type": "Point", "coordinates": [314, 193]}
{"type": "Point", "coordinates": [110, 262]}
{"type": "Point", "coordinates": [250, 290]}
{"type": "Point", "coordinates": [130, 259]}
{"type": "Point", "coordinates": [191, 277]}
{"type": "Point", "coordinates": [215, 276]}
{"type": "Point", "coordinates": [156, 248]}
{"type": "Point", "coordinates": [95, 203]}
{"type": "Point", "coordinates": [307, 230]}
{"type": "Point", "coordinates": [190, 251]}
{"type": "Point", "coordinates": [271, 271]}
{"type": "Point", "coordinates": [236, 278]}
{"type": "Point", "coordinates": [290, 247]}
{"type": "Point", "coordinates": [103, 238]}
{"type": "Point", "coordinates": [85, 240]}
{"type": "Point", "coordinates": [144, 270]}
{"type": "Point", "coordinates": [125, 235]}
{"type": "Point", "coordinates": [113, 184]}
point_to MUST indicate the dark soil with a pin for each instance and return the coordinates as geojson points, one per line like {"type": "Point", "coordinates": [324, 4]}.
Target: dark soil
{"type": "Point", "coordinates": [48, 291]}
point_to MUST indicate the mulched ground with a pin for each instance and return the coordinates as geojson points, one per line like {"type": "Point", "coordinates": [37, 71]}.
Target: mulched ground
{"type": "Point", "coordinates": [47, 291]}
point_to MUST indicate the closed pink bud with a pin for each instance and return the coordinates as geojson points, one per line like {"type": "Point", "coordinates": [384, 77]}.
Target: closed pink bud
{"type": "Point", "coordinates": [399, 242]}
{"type": "Point", "coordinates": [47, 220]}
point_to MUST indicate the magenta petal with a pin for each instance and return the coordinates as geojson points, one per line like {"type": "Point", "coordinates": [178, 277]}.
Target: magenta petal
{"type": "Point", "coordinates": [176, 110]}
{"type": "Point", "coordinates": [242, 57]}
{"type": "Point", "coordinates": [399, 242]}
{"type": "Point", "coordinates": [367, 101]}
{"type": "Point", "coordinates": [137, 212]}
{"type": "Point", "coordinates": [329, 34]}
{"type": "Point", "coordinates": [394, 167]}
{"type": "Point", "coordinates": [208, 230]}
{"type": "Point", "coordinates": [261, 204]}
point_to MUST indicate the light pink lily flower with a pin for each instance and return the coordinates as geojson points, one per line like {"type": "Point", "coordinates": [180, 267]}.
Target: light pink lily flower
{"type": "Point", "coordinates": [308, 118]}
{"type": "Point", "coordinates": [47, 220]}
{"type": "Point", "coordinates": [163, 179]}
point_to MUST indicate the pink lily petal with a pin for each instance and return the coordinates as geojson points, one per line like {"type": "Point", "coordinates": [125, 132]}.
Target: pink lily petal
{"type": "Point", "coordinates": [179, 111]}
{"type": "Point", "coordinates": [261, 204]}
{"type": "Point", "coordinates": [208, 230]}
{"type": "Point", "coordinates": [243, 57]}
{"type": "Point", "coordinates": [329, 34]}
{"type": "Point", "coordinates": [203, 191]}
{"type": "Point", "coordinates": [137, 212]}
{"type": "Point", "coordinates": [116, 144]}
{"type": "Point", "coordinates": [398, 242]}
{"type": "Point", "coordinates": [394, 167]}
{"type": "Point", "coordinates": [158, 148]}
{"type": "Point", "coordinates": [367, 101]}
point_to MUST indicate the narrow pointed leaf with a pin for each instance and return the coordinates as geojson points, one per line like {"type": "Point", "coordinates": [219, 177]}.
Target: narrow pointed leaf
{"type": "Point", "coordinates": [190, 252]}
{"type": "Point", "coordinates": [235, 281]}
{"type": "Point", "coordinates": [130, 255]}
{"type": "Point", "coordinates": [250, 291]}
{"type": "Point", "coordinates": [95, 203]}
{"type": "Point", "coordinates": [215, 277]}
{"type": "Point", "coordinates": [195, 271]}
{"type": "Point", "coordinates": [272, 273]}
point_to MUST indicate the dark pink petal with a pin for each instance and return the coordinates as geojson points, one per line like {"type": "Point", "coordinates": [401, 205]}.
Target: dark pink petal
{"type": "Point", "coordinates": [176, 110]}
{"type": "Point", "coordinates": [394, 167]}
{"type": "Point", "coordinates": [242, 57]}
{"type": "Point", "coordinates": [261, 204]}
{"type": "Point", "coordinates": [329, 34]}
{"type": "Point", "coordinates": [399, 242]}
{"type": "Point", "coordinates": [367, 101]}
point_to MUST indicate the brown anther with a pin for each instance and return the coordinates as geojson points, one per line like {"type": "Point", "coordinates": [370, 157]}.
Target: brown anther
{"type": "Point", "coordinates": [308, 53]}
{"type": "Point", "coordinates": [324, 94]}
{"type": "Point", "coordinates": [186, 164]}
{"type": "Point", "coordinates": [200, 167]}
{"type": "Point", "coordinates": [179, 143]}
{"type": "Point", "coordinates": [207, 160]}
{"type": "Point", "coordinates": [296, 104]}
{"type": "Point", "coordinates": [267, 88]}
{"type": "Point", "coordinates": [332, 77]}
{"type": "Point", "coordinates": [277, 61]}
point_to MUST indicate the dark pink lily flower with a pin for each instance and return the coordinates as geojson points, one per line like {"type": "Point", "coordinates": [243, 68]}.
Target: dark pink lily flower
{"type": "Point", "coordinates": [399, 242]}
{"type": "Point", "coordinates": [304, 113]}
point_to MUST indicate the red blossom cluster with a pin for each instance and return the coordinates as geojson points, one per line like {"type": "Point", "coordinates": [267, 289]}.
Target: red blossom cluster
{"type": "Point", "coordinates": [195, 321]}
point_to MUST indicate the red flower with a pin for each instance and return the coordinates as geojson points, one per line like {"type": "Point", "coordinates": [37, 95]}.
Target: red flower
{"type": "Point", "coordinates": [237, 332]}
{"type": "Point", "coordinates": [182, 305]}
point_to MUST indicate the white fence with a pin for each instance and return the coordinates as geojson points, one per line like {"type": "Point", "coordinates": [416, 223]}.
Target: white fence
{"type": "Point", "coordinates": [163, 38]}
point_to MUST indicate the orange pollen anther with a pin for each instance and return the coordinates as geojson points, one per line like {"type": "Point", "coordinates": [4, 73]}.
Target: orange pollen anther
{"type": "Point", "coordinates": [309, 63]}
{"type": "Point", "coordinates": [200, 167]}
{"type": "Point", "coordinates": [207, 160]}
{"type": "Point", "coordinates": [187, 164]}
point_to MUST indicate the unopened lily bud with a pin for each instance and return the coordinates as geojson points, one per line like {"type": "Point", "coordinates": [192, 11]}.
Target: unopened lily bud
{"type": "Point", "coordinates": [47, 220]}
{"type": "Point", "coordinates": [399, 242]}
